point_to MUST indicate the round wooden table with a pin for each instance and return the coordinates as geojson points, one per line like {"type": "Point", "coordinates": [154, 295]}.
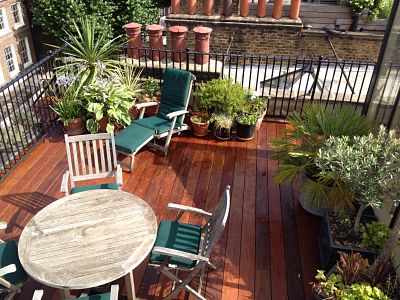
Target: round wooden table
{"type": "Point", "coordinates": [88, 239]}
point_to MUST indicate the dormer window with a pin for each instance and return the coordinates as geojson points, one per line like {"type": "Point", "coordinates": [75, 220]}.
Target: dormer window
{"type": "Point", "coordinates": [16, 14]}
{"type": "Point", "coordinates": [3, 21]}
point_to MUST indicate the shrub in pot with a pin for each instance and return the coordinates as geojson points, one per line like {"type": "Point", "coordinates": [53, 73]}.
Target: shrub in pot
{"type": "Point", "coordinates": [222, 126]}
{"type": "Point", "coordinates": [257, 106]}
{"type": "Point", "coordinates": [298, 150]}
{"type": "Point", "coordinates": [200, 125]}
{"type": "Point", "coordinates": [246, 126]}
{"type": "Point", "coordinates": [151, 92]}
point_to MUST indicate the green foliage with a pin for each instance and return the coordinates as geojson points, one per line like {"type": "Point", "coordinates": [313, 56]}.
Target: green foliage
{"type": "Point", "coordinates": [151, 87]}
{"type": "Point", "coordinates": [362, 291]}
{"type": "Point", "coordinates": [298, 151]}
{"type": "Point", "coordinates": [108, 99]}
{"type": "Point", "coordinates": [256, 105]}
{"type": "Point", "coordinates": [375, 235]}
{"type": "Point", "coordinates": [367, 166]}
{"type": "Point", "coordinates": [221, 96]}
{"type": "Point", "coordinates": [90, 54]}
{"type": "Point", "coordinates": [344, 224]}
{"type": "Point", "coordinates": [68, 106]}
{"type": "Point", "coordinates": [222, 120]}
{"type": "Point", "coordinates": [200, 119]}
{"type": "Point", "coordinates": [56, 15]}
{"type": "Point", "coordinates": [380, 10]}
{"type": "Point", "coordinates": [246, 119]}
{"type": "Point", "coordinates": [129, 77]}
{"type": "Point", "coordinates": [359, 5]}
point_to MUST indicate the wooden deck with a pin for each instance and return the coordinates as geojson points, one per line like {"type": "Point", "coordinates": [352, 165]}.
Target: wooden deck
{"type": "Point", "coordinates": [268, 250]}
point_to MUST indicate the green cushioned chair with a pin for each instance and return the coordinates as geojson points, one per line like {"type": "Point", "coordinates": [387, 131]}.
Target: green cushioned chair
{"type": "Point", "coordinates": [91, 156]}
{"type": "Point", "coordinates": [113, 295]}
{"type": "Point", "coordinates": [12, 275]}
{"type": "Point", "coordinates": [175, 95]}
{"type": "Point", "coordinates": [181, 246]}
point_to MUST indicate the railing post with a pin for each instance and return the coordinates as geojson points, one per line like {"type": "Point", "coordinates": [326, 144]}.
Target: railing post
{"type": "Point", "coordinates": [187, 58]}
{"type": "Point", "coordinates": [315, 83]}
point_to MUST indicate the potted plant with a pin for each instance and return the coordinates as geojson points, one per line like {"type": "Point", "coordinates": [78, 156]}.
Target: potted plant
{"type": "Point", "coordinates": [69, 109]}
{"type": "Point", "coordinates": [222, 126]}
{"type": "Point", "coordinates": [366, 166]}
{"type": "Point", "coordinates": [151, 93]}
{"type": "Point", "coordinates": [297, 152]}
{"type": "Point", "coordinates": [200, 124]}
{"type": "Point", "coordinates": [246, 126]}
{"type": "Point", "coordinates": [257, 106]}
{"type": "Point", "coordinates": [107, 104]}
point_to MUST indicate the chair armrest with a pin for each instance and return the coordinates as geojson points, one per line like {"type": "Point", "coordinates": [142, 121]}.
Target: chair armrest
{"type": "Point", "coordinates": [7, 270]}
{"type": "Point", "coordinates": [64, 183]}
{"type": "Point", "coordinates": [3, 225]}
{"type": "Point", "coordinates": [114, 292]}
{"type": "Point", "coordinates": [118, 175]}
{"type": "Point", "coordinates": [176, 113]}
{"type": "Point", "coordinates": [145, 104]}
{"type": "Point", "coordinates": [178, 253]}
{"type": "Point", "coordinates": [185, 208]}
{"type": "Point", "coordinates": [37, 295]}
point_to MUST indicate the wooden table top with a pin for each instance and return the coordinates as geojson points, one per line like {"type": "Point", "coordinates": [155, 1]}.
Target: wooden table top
{"type": "Point", "coordinates": [87, 239]}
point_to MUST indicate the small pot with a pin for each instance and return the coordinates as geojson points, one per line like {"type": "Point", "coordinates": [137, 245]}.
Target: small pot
{"type": "Point", "coordinates": [103, 124]}
{"type": "Point", "coordinates": [134, 112]}
{"type": "Point", "coordinates": [75, 126]}
{"type": "Point", "coordinates": [199, 129]}
{"type": "Point", "coordinates": [245, 132]}
{"type": "Point", "coordinates": [151, 110]}
{"type": "Point", "coordinates": [222, 133]}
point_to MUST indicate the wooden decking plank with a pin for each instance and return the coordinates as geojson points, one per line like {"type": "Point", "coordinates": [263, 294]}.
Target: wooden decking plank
{"type": "Point", "coordinates": [230, 289]}
{"type": "Point", "coordinates": [263, 255]}
{"type": "Point", "coordinates": [248, 241]}
{"type": "Point", "coordinates": [277, 248]}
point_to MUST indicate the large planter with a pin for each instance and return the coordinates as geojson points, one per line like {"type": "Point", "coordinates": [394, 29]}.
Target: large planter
{"type": "Point", "coordinates": [103, 124]}
{"type": "Point", "coordinates": [260, 119]}
{"type": "Point", "coordinates": [199, 129]}
{"type": "Point", "coordinates": [329, 250]}
{"type": "Point", "coordinates": [245, 132]}
{"type": "Point", "coordinates": [42, 108]}
{"type": "Point", "coordinates": [222, 133]}
{"type": "Point", "coordinates": [75, 126]}
{"type": "Point", "coordinates": [151, 111]}
{"type": "Point", "coordinates": [305, 204]}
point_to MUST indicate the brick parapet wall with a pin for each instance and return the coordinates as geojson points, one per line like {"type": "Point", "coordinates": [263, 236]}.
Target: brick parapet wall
{"type": "Point", "coordinates": [282, 37]}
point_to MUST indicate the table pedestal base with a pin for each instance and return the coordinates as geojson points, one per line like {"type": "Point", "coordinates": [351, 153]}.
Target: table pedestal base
{"type": "Point", "coordinates": [130, 286]}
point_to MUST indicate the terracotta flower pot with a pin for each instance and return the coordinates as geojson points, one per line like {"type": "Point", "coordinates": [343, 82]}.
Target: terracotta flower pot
{"type": "Point", "coordinates": [103, 124]}
{"type": "Point", "coordinates": [75, 126]}
{"type": "Point", "coordinates": [199, 129]}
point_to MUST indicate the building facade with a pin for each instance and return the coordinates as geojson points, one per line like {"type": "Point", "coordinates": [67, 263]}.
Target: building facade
{"type": "Point", "coordinates": [16, 44]}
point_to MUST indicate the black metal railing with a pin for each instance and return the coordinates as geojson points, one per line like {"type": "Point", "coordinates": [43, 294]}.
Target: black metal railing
{"type": "Point", "coordinates": [25, 113]}
{"type": "Point", "coordinates": [289, 82]}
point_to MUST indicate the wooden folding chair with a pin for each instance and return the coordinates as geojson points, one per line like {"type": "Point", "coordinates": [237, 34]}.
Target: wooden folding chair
{"type": "Point", "coordinates": [112, 295]}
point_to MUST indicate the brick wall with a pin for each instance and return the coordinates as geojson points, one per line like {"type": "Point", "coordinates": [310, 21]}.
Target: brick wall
{"type": "Point", "coordinates": [282, 37]}
{"type": "Point", "coordinates": [13, 35]}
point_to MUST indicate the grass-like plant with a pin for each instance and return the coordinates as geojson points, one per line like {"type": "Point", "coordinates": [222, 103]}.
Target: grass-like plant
{"type": "Point", "coordinates": [128, 76]}
{"type": "Point", "coordinates": [246, 119]}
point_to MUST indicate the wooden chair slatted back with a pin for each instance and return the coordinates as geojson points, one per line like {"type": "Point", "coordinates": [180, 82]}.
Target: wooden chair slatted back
{"type": "Point", "coordinates": [90, 156]}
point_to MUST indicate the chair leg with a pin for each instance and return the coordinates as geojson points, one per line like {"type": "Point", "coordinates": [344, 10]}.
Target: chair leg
{"type": "Point", "coordinates": [211, 266]}
{"type": "Point", "coordinates": [132, 161]}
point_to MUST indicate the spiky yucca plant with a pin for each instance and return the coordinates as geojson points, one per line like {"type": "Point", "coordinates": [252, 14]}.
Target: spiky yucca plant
{"type": "Point", "coordinates": [297, 151]}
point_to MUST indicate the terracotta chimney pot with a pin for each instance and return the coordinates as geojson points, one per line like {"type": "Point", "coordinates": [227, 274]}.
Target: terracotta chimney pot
{"type": "Point", "coordinates": [178, 37]}
{"type": "Point", "coordinates": [278, 8]}
{"type": "Point", "coordinates": [155, 41]}
{"type": "Point", "coordinates": [133, 32]}
{"type": "Point", "coordinates": [191, 7]}
{"type": "Point", "coordinates": [244, 8]}
{"type": "Point", "coordinates": [175, 6]}
{"type": "Point", "coordinates": [261, 8]}
{"type": "Point", "coordinates": [202, 43]}
{"type": "Point", "coordinates": [227, 8]}
{"type": "Point", "coordinates": [208, 7]}
{"type": "Point", "coordinates": [294, 9]}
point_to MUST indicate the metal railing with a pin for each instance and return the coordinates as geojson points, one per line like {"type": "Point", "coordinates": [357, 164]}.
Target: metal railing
{"type": "Point", "coordinates": [289, 82]}
{"type": "Point", "coordinates": [25, 113]}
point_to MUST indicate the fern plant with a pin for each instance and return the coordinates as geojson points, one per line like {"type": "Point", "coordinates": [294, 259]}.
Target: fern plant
{"type": "Point", "coordinates": [297, 152]}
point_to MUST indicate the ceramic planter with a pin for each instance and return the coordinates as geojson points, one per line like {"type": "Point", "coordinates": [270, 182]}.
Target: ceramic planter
{"type": "Point", "coordinates": [199, 129]}
{"type": "Point", "coordinates": [103, 124]}
{"type": "Point", "coordinates": [260, 119]}
{"type": "Point", "coordinates": [329, 250]}
{"type": "Point", "coordinates": [75, 127]}
{"type": "Point", "coordinates": [245, 132]}
{"type": "Point", "coordinates": [223, 134]}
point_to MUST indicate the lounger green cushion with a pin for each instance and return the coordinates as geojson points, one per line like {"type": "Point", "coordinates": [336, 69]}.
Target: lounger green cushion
{"type": "Point", "coordinates": [178, 236]}
{"type": "Point", "coordinates": [174, 92]}
{"type": "Point", "coordinates": [8, 256]}
{"type": "Point", "coordinates": [105, 296]}
{"type": "Point", "coordinates": [159, 125]}
{"type": "Point", "coordinates": [132, 137]}
{"type": "Point", "coordinates": [102, 186]}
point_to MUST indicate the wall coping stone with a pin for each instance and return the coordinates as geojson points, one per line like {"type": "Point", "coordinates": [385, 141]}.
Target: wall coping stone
{"type": "Point", "coordinates": [346, 34]}
{"type": "Point", "coordinates": [237, 20]}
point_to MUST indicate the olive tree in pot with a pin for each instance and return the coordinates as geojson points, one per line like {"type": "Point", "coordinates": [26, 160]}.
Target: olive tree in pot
{"type": "Point", "coordinates": [297, 152]}
{"type": "Point", "coordinates": [246, 126]}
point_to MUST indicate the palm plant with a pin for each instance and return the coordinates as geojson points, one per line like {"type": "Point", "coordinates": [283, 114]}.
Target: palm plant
{"type": "Point", "coordinates": [128, 76]}
{"type": "Point", "coordinates": [90, 52]}
{"type": "Point", "coordinates": [308, 132]}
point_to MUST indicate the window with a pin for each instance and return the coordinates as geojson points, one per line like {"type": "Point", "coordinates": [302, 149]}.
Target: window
{"type": "Point", "coordinates": [16, 14]}
{"type": "Point", "coordinates": [3, 21]}
{"type": "Point", "coordinates": [25, 52]}
{"type": "Point", "coordinates": [11, 61]}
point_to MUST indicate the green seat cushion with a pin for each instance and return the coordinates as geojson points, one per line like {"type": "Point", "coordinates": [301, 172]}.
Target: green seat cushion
{"type": "Point", "coordinates": [105, 296]}
{"type": "Point", "coordinates": [174, 92]}
{"type": "Point", "coordinates": [102, 186]}
{"type": "Point", "coordinates": [159, 125]}
{"type": "Point", "coordinates": [178, 236]}
{"type": "Point", "coordinates": [8, 256]}
{"type": "Point", "coordinates": [132, 137]}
